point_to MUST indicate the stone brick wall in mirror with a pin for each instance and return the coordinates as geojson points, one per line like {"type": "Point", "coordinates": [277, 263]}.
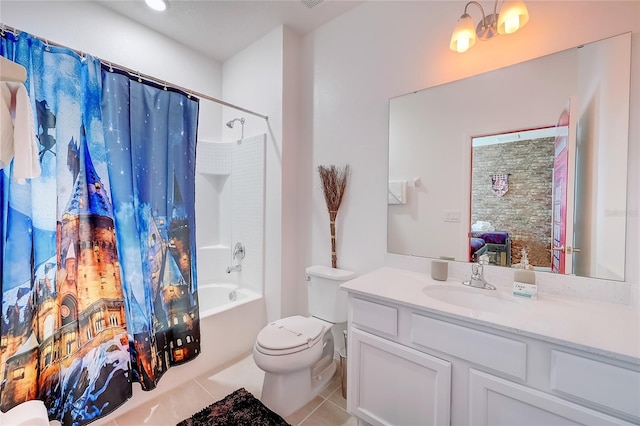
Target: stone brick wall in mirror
{"type": "Point", "coordinates": [525, 210]}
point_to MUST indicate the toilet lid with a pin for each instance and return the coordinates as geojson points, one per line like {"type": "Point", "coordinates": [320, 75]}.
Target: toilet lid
{"type": "Point", "coordinates": [290, 333]}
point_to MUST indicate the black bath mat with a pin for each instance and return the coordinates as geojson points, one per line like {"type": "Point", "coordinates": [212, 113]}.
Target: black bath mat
{"type": "Point", "coordinates": [239, 408]}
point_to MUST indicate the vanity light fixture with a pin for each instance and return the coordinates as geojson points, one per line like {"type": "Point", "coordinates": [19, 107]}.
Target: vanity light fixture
{"type": "Point", "coordinates": [158, 5]}
{"type": "Point", "coordinates": [513, 16]}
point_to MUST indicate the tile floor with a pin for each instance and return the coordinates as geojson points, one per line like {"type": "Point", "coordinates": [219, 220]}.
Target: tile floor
{"type": "Point", "coordinates": [329, 408]}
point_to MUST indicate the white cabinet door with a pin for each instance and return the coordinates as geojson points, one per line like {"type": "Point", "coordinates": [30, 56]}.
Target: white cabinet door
{"type": "Point", "coordinates": [494, 402]}
{"type": "Point", "coordinates": [390, 384]}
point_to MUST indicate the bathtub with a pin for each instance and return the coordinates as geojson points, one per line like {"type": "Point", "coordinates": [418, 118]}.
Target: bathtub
{"type": "Point", "coordinates": [228, 330]}
{"type": "Point", "coordinates": [218, 297]}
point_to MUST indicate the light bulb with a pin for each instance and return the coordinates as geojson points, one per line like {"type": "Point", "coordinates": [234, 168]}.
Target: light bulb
{"type": "Point", "coordinates": [513, 16]}
{"type": "Point", "coordinates": [462, 45]}
{"type": "Point", "coordinates": [158, 5]}
{"type": "Point", "coordinates": [464, 35]}
{"type": "Point", "coordinates": [511, 24]}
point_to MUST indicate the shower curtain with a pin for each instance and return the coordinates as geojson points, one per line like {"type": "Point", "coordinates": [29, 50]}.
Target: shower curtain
{"type": "Point", "coordinates": [98, 253]}
{"type": "Point", "coordinates": [150, 135]}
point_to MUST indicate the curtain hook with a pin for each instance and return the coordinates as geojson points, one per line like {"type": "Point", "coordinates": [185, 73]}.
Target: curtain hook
{"type": "Point", "coordinates": [139, 78]}
{"type": "Point", "coordinates": [46, 45]}
{"type": "Point", "coordinates": [165, 86]}
{"type": "Point", "coordinates": [110, 67]}
{"type": "Point", "coordinates": [2, 33]}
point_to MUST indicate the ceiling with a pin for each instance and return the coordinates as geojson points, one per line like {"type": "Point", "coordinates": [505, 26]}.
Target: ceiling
{"type": "Point", "coordinates": [221, 28]}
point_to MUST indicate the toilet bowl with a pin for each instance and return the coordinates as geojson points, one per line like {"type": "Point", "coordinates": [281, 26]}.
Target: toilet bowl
{"type": "Point", "coordinates": [29, 413]}
{"type": "Point", "coordinates": [297, 353]}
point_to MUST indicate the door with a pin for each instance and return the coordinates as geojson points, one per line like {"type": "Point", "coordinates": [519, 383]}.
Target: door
{"type": "Point", "coordinates": [494, 401]}
{"type": "Point", "coordinates": [391, 384]}
{"type": "Point", "coordinates": [563, 192]}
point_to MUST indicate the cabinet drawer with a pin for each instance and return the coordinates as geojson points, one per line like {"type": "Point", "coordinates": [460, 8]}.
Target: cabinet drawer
{"type": "Point", "coordinates": [375, 316]}
{"type": "Point", "coordinates": [597, 382]}
{"type": "Point", "coordinates": [498, 353]}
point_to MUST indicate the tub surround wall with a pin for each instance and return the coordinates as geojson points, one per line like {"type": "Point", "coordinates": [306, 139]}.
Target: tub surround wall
{"type": "Point", "coordinates": [232, 185]}
{"type": "Point", "coordinates": [264, 78]}
{"type": "Point", "coordinates": [213, 170]}
{"type": "Point", "coordinates": [247, 210]}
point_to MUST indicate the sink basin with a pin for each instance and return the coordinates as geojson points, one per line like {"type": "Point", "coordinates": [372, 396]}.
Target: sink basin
{"type": "Point", "coordinates": [475, 298]}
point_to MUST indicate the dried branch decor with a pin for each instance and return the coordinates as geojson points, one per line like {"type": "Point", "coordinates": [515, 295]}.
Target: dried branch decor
{"type": "Point", "coordinates": [334, 183]}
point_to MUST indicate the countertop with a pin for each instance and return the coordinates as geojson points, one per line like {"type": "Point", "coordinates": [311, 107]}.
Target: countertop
{"type": "Point", "coordinates": [601, 328]}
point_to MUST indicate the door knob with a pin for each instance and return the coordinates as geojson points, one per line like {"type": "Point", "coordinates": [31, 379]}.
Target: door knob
{"type": "Point", "coordinates": [561, 248]}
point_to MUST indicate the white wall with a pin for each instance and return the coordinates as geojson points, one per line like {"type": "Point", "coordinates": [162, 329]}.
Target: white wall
{"type": "Point", "coordinates": [603, 114]}
{"type": "Point", "coordinates": [379, 50]}
{"type": "Point", "coordinates": [262, 78]}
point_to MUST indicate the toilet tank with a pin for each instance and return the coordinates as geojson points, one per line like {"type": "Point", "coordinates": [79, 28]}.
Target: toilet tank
{"type": "Point", "coordinates": [326, 300]}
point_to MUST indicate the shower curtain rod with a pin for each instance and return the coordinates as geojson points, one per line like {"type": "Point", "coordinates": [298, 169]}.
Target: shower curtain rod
{"type": "Point", "coordinates": [135, 73]}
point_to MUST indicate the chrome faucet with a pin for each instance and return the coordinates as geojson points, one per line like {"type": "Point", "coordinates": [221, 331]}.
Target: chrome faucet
{"type": "Point", "coordinates": [235, 268]}
{"type": "Point", "coordinates": [477, 274]}
{"type": "Point", "coordinates": [238, 253]}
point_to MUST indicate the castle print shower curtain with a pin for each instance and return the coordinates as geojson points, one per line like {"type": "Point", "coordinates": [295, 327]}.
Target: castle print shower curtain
{"type": "Point", "coordinates": [150, 135]}
{"type": "Point", "coordinates": [98, 275]}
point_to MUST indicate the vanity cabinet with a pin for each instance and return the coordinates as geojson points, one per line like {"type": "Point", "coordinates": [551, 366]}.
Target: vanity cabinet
{"type": "Point", "coordinates": [397, 385]}
{"type": "Point", "coordinates": [413, 366]}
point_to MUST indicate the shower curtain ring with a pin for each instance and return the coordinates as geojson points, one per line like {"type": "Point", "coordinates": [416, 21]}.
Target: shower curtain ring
{"type": "Point", "coordinates": [46, 45]}
{"type": "Point", "coordinates": [110, 67]}
{"type": "Point", "coordinates": [165, 86]}
{"type": "Point", "coordinates": [139, 78]}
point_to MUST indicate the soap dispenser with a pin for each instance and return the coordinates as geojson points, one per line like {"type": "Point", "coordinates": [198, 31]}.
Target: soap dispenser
{"type": "Point", "coordinates": [524, 279]}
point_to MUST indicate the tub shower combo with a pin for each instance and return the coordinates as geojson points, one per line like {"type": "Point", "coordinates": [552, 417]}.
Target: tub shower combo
{"type": "Point", "coordinates": [230, 194]}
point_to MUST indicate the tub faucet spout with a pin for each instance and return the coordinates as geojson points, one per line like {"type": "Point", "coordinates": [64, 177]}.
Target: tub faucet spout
{"type": "Point", "coordinates": [235, 268]}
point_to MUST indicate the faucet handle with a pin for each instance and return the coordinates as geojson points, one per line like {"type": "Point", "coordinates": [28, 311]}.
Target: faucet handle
{"type": "Point", "coordinates": [475, 270]}
{"type": "Point", "coordinates": [238, 251]}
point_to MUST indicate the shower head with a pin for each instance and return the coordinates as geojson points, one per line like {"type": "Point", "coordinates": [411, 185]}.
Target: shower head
{"type": "Point", "coordinates": [230, 123]}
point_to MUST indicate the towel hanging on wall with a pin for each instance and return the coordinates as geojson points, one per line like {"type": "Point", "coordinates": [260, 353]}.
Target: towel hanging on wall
{"type": "Point", "coordinates": [11, 71]}
{"type": "Point", "coordinates": [17, 134]}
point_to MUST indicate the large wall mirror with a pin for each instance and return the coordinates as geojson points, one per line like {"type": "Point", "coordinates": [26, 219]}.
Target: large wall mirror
{"type": "Point", "coordinates": [528, 161]}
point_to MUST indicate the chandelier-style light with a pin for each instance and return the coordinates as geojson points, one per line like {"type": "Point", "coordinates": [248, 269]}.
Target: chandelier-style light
{"type": "Point", "coordinates": [513, 16]}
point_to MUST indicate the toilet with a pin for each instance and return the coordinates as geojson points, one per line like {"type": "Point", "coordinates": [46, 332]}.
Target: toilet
{"type": "Point", "coordinates": [296, 353]}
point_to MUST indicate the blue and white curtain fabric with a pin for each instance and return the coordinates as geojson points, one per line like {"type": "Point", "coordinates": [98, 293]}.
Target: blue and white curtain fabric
{"type": "Point", "coordinates": [150, 135]}
{"type": "Point", "coordinates": [81, 318]}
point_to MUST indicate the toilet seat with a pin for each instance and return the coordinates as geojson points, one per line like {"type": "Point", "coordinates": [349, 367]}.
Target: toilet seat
{"type": "Point", "coordinates": [289, 335]}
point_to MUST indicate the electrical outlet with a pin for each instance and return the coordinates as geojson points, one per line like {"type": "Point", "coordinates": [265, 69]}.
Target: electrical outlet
{"type": "Point", "coordinates": [452, 216]}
